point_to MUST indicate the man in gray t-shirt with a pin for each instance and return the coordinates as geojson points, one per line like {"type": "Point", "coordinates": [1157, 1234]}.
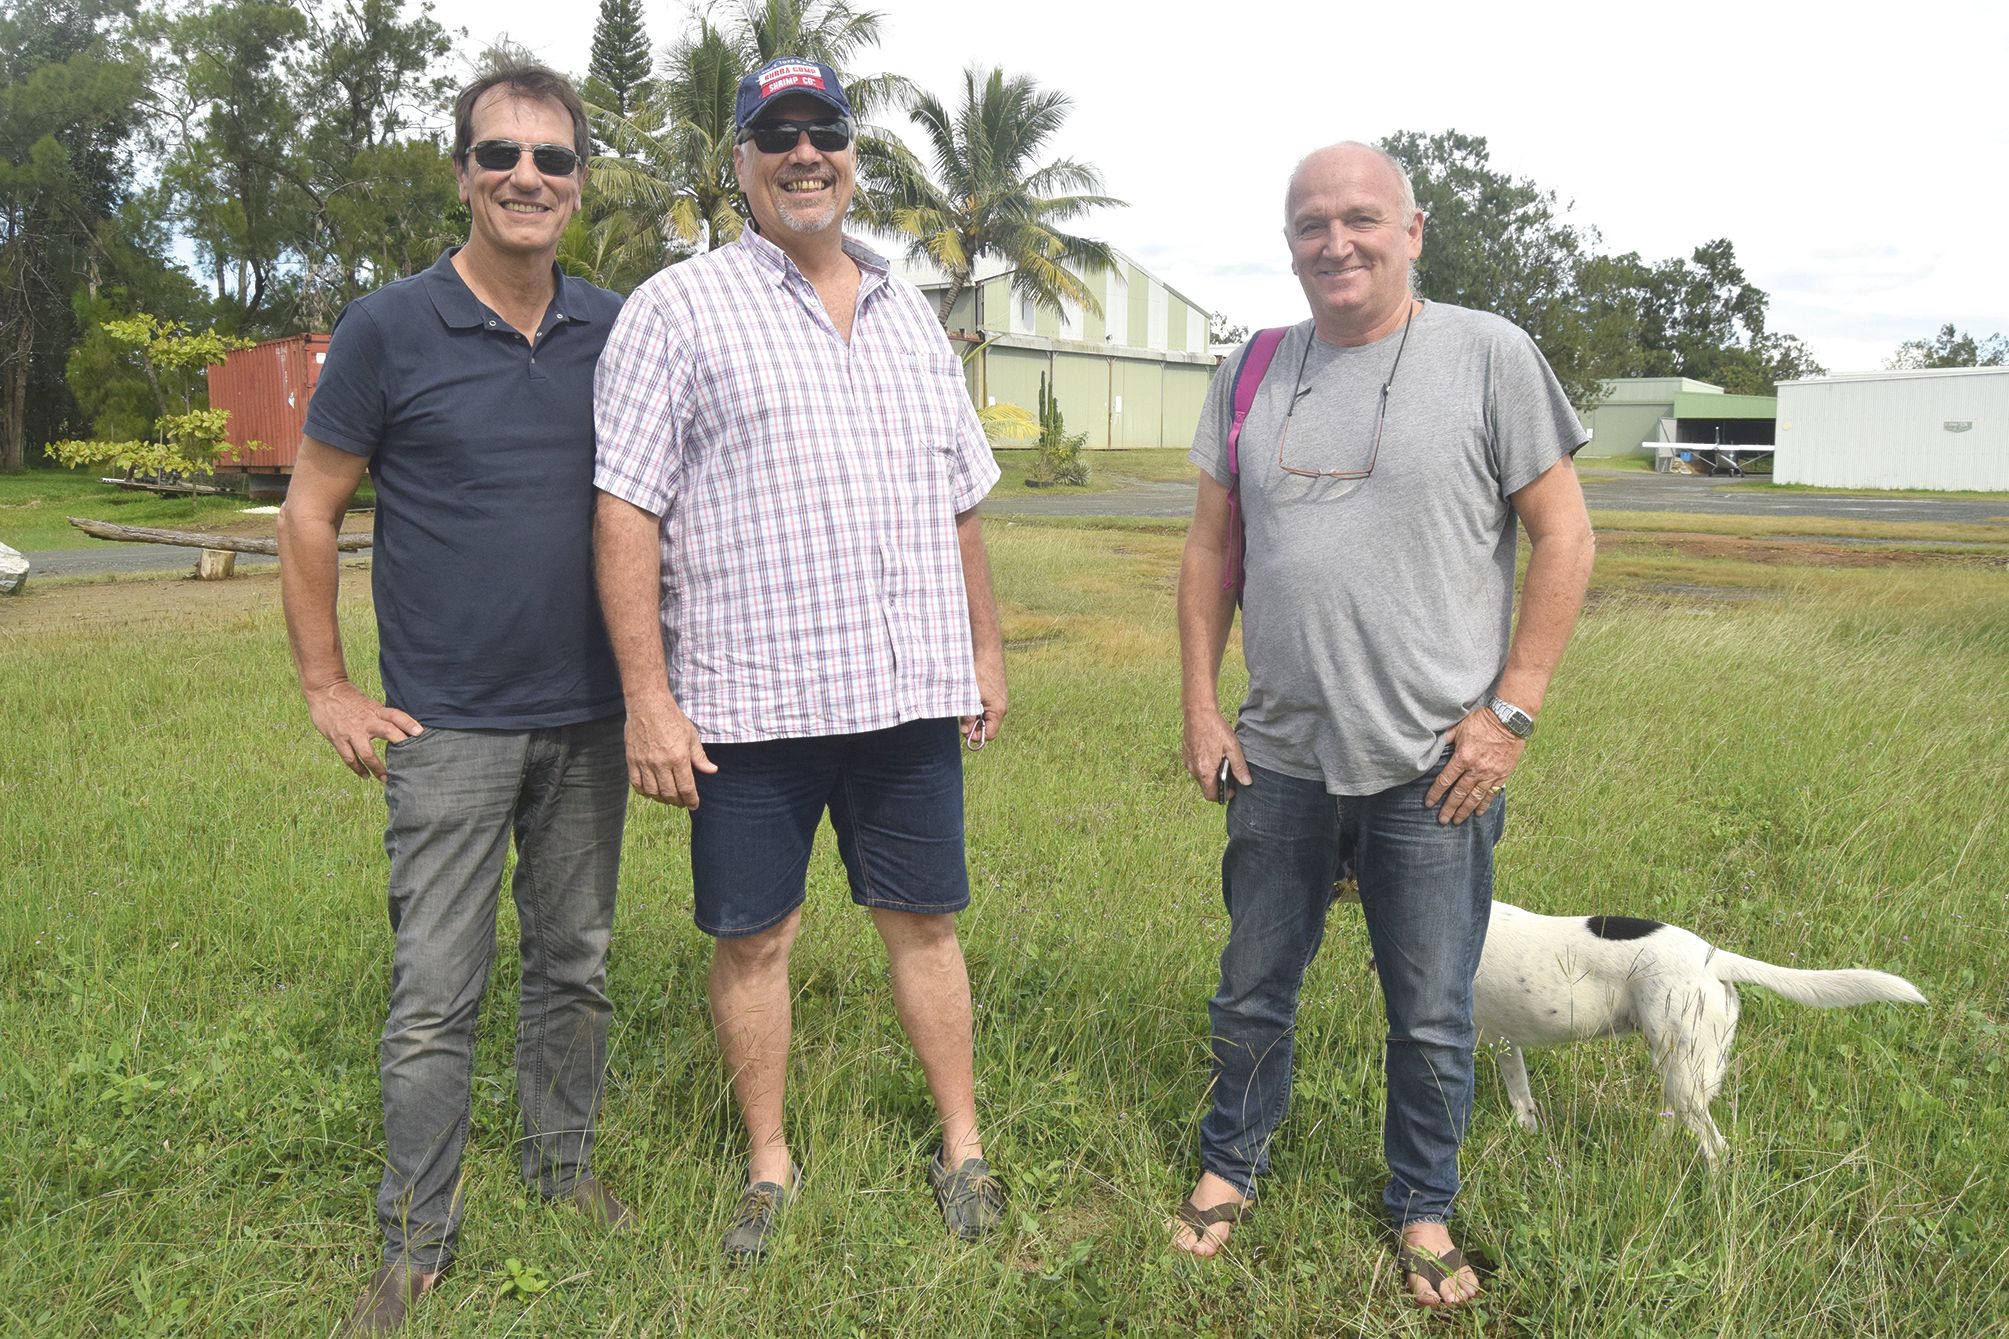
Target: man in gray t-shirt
{"type": "Point", "coordinates": [1390, 451]}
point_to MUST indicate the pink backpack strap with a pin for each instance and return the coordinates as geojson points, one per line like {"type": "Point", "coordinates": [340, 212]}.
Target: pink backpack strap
{"type": "Point", "coordinates": [1248, 380]}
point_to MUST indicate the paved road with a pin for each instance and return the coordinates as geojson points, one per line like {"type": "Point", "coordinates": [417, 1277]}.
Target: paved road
{"type": "Point", "coordinates": [1605, 492]}
{"type": "Point", "coordinates": [109, 556]}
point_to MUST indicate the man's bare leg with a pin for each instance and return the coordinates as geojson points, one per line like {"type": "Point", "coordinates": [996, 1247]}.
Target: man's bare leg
{"type": "Point", "coordinates": [751, 1014]}
{"type": "Point", "coordinates": [931, 995]}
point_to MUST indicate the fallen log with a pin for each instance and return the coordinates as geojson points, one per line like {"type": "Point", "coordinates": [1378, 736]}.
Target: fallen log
{"type": "Point", "coordinates": [189, 539]}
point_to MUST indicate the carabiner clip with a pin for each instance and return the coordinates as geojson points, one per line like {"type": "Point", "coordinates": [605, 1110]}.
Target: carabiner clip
{"type": "Point", "coordinates": [978, 736]}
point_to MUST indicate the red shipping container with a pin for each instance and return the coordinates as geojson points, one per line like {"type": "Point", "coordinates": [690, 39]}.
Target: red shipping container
{"type": "Point", "coordinates": [266, 389]}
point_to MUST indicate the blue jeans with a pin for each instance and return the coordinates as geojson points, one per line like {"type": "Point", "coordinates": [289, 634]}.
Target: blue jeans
{"type": "Point", "coordinates": [1426, 889]}
{"type": "Point", "coordinates": [455, 798]}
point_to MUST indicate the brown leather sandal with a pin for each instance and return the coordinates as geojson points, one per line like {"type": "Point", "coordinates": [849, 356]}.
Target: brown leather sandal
{"type": "Point", "coordinates": [1429, 1266]}
{"type": "Point", "coordinates": [1228, 1211]}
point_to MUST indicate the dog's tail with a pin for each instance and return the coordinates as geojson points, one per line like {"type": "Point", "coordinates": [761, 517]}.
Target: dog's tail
{"type": "Point", "coordinates": [1822, 990]}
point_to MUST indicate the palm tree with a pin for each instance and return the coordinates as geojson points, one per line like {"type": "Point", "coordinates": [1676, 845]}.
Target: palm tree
{"type": "Point", "coordinates": [670, 166]}
{"type": "Point", "coordinates": [984, 196]}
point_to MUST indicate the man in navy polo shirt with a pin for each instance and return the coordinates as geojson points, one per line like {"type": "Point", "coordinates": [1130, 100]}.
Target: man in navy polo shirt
{"type": "Point", "coordinates": [467, 391]}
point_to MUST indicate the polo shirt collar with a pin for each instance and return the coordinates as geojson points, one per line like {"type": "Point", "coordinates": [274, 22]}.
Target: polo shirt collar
{"type": "Point", "coordinates": [460, 309]}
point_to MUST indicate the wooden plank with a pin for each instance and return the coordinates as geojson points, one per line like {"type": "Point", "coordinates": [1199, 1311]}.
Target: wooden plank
{"type": "Point", "coordinates": [189, 539]}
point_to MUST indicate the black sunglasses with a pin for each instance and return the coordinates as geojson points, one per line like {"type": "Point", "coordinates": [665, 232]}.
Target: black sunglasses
{"type": "Point", "coordinates": [783, 136]}
{"type": "Point", "coordinates": [502, 155]}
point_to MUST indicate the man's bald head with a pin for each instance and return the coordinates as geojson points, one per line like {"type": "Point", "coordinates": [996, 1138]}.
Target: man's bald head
{"type": "Point", "coordinates": [1354, 231]}
{"type": "Point", "coordinates": [1331, 154]}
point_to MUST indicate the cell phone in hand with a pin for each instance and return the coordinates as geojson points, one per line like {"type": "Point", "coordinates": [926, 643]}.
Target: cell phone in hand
{"type": "Point", "coordinates": [1221, 783]}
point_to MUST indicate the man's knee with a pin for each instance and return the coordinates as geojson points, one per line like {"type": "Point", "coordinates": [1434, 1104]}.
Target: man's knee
{"type": "Point", "coordinates": [761, 953]}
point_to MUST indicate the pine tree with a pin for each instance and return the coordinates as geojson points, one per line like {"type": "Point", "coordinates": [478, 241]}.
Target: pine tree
{"type": "Point", "coordinates": [619, 72]}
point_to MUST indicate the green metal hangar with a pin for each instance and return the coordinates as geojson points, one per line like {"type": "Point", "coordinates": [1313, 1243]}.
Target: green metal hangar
{"type": "Point", "coordinates": [1679, 419]}
{"type": "Point", "coordinates": [1131, 375]}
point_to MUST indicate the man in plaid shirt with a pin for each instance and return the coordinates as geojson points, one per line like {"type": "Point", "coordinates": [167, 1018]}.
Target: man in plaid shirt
{"type": "Point", "coordinates": [794, 581]}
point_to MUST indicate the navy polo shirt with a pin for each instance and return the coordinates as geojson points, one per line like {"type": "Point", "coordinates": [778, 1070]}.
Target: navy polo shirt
{"type": "Point", "coordinates": [481, 448]}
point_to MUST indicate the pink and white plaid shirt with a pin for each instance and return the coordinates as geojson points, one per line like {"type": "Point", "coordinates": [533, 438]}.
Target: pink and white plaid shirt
{"type": "Point", "coordinates": [808, 488]}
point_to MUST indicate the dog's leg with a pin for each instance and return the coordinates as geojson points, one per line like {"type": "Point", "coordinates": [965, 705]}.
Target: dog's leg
{"type": "Point", "coordinates": [1690, 1040]}
{"type": "Point", "coordinates": [1514, 1073]}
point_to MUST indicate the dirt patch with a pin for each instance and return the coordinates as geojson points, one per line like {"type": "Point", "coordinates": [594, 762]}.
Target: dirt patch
{"type": "Point", "coordinates": [1794, 552]}
{"type": "Point", "coordinates": [152, 602]}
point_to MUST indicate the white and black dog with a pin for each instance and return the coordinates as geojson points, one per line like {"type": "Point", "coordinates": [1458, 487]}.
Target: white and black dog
{"type": "Point", "coordinates": [1545, 980]}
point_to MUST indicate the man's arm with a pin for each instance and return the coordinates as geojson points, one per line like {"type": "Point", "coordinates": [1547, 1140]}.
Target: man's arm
{"type": "Point", "coordinates": [1206, 614]}
{"type": "Point", "coordinates": [986, 636]}
{"type": "Point", "coordinates": [1561, 549]}
{"type": "Point", "coordinates": [663, 746]}
{"type": "Point", "coordinates": [324, 479]}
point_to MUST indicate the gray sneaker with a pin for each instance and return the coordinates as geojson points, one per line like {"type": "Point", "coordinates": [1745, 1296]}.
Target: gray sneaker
{"type": "Point", "coordinates": [754, 1220]}
{"type": "Point", "coordinates": [971, 1199]}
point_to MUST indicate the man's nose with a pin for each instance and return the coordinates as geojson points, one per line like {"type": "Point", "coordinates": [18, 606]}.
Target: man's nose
{"type": "Point", "coordinates": [525, 174]}
{"type": "Point", "coordinates": [803, 152]}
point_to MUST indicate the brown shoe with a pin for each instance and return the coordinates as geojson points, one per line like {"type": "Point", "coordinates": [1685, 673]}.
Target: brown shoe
{"type": "Point", "coordinates": [383, 1306]}
{"type": "Point", "coordinates": [597, 1205]}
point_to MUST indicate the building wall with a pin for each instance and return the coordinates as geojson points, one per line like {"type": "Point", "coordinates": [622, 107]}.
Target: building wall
{"type": "Point", "coordinates": [1618, 429]}
{"type": "Point", "coordinates": [1889, 430]}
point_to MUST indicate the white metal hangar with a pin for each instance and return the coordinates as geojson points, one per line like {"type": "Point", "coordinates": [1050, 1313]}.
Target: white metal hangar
{"type": "Point", "coordinates": [1942, 428]}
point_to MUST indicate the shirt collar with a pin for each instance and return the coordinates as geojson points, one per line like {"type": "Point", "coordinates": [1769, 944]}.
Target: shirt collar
{"type": "Point", "coordinates": [873, 267]}
{"type": "Point", "coordinates": [462, 310]}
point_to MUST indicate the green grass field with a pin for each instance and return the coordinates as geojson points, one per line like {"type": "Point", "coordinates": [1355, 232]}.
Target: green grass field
{"type": "Point", "coordinates": [33, 508]}
{"type": "Point", "coordinates": [1802, 763]}
{"type": "Point", "coordinates": [1106, 470]}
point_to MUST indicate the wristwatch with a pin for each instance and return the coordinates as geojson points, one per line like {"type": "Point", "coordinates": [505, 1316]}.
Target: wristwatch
{"type": "Point", "coordinates": [1517, 721]}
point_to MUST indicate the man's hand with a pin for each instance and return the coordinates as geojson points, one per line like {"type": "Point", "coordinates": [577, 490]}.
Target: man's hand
{"type": "Point", "coordinates": [664, 753]}
{"type": "Point", "coordinates": [1209, 740]}
{"type": "Point", "coordinates": [995, 697]}
{"type": "Point", "coordinates": [352, 722]}
{"type": "Point", "coordinates": [1484, 754]}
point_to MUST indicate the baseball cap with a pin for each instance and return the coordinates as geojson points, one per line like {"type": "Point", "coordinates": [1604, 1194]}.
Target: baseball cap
{"type": "Point", "coordinates": [785, 75]}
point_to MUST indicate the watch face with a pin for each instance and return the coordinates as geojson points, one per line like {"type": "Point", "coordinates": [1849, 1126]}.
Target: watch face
{"type": "Point", "coordinates": [1516, 720]}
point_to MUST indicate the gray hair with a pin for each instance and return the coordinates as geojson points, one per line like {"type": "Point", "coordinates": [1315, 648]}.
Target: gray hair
{"type": "Point", "coordinates": [1407, 198]}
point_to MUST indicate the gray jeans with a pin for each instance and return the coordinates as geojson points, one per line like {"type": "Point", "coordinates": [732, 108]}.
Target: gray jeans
{"type": "Point", "coordinates": [455, 798]}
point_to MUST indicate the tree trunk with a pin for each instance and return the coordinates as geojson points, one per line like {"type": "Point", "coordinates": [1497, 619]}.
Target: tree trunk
{"type": "Point", "coordinates": [957, 283]}
{"type": "Point", "coordinates": [189, 539]}
{"type": "Point", "coordinates": [13, 447]}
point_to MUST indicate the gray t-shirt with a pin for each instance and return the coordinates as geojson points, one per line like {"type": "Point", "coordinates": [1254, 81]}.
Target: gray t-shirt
{"type": "Point", "coordinates": [1376, 611]}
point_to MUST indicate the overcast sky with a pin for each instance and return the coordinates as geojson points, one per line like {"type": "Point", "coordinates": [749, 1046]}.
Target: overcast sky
{"type": "Point", "coordinates": [1857, 157]}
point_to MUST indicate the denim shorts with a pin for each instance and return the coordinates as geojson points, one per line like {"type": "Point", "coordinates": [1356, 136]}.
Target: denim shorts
{"type": "Point", "coordinates": [895, 799]}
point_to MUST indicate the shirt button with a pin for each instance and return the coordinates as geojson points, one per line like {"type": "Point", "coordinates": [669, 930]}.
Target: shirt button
{"type": "Point", "coordinates": [491, 325]}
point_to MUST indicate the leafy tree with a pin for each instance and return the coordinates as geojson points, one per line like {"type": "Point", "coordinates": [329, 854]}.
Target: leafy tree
{"type": "Point", "coordinates": [231, 127]}
{"type": "Point", "coordinates": [618, 77]}
{"type": "Point", "coordinates": [298, 151]}
{"type": "Point", "coordinates": [983, 193]}
{"type": "Point", "coordinates": [1951, 347]}
{"type": "Point", "coordinates": [1500, 244]}
{"type": "Point", "coordinates": [72, 77]}
{"type": "Point", "coordinates": [1220, 330]}
{"type": "Point", "coordinates": [185, 435]}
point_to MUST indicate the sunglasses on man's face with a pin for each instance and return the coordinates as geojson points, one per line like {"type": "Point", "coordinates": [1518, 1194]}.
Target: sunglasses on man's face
{"type": "Point", "coordinates": [783, 136]}
{"type": "Point", "coordinates": [502, 155]}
